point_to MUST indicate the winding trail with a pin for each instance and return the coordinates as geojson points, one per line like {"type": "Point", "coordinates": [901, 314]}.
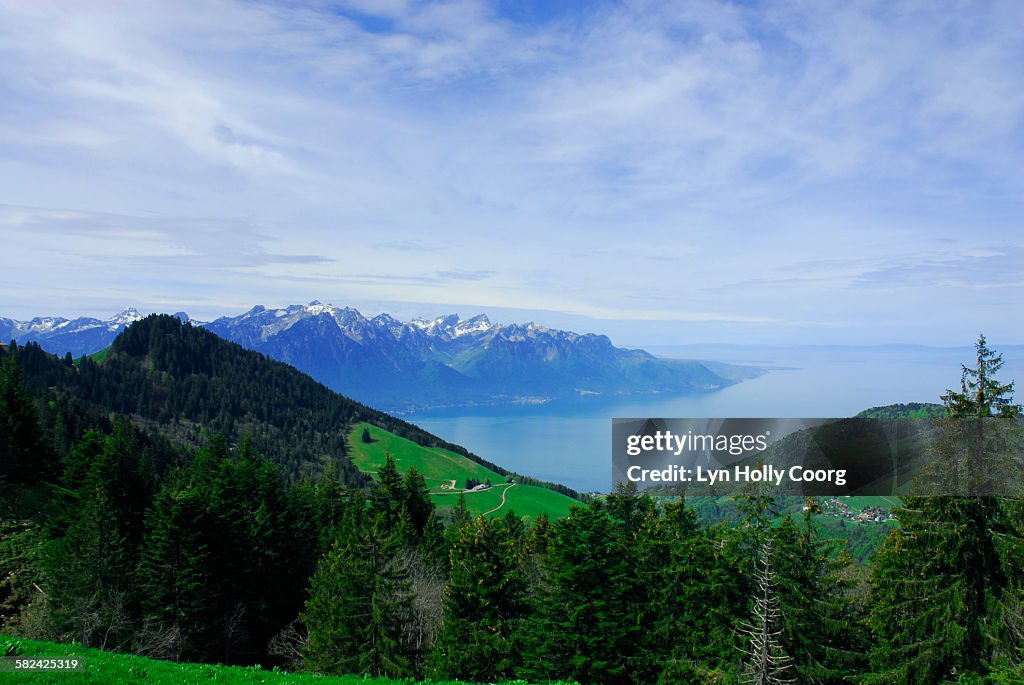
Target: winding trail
{"type": "Point", "coordinates": [503, 493]}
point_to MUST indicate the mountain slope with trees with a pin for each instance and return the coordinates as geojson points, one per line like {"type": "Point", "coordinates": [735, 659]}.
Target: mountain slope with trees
{"type": "Point", "coordinates": [184, 383]}
{"type": "Point", "coordinates": [117, 537]}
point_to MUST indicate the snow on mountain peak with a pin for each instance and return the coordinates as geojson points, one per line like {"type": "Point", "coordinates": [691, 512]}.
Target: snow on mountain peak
{"type": "Point", "coordinates": [476, 324]}
{"type": "Point", "coordinates": [315, 308]}
{"type": "Point", "coordinates": [453, 326]}
{"type": "Point", "coordinates": [126, 316]}
{"type": "Point", "coordinates": [42, 324]}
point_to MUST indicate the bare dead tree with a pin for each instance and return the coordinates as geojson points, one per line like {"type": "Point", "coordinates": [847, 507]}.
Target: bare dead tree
{"type": "Point", "coordinates": [427, 582]}
{"type": "Point", "coordinates": [114, 621]}
{"type": "Point", "coordinates": [289, 644]}
{"type": "Point", "coordinates": [234, 629]}
{"type": "Point", "coordinates": [100, 620]}
{"type": "Point", "coordinates": [765, 661]}
{"type": "Point", "coordinates": [157, 640]}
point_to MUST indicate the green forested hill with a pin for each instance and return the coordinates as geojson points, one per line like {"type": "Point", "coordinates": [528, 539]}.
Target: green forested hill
{"type": "Point", "coordinates": [910, 410]}
{"type": "Point", "coordinates": [184, 383]}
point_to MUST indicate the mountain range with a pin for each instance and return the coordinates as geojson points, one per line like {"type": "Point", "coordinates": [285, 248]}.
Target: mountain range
{"type": "Point", "coordinates": [58, 335]}
{"type": "Point", "coordinates": [403, 367]}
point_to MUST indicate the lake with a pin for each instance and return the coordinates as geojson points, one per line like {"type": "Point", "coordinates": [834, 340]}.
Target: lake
{"type": "Point", "coordinates": [570, 442]}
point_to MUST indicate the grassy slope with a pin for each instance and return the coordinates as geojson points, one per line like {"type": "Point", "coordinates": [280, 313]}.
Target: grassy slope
{"type": "Point", "coordinates": [111, 669]}
{"type": "Point", "coordinates": [440, 467]}
{"type": "Point", "coordinates": [95, 356]}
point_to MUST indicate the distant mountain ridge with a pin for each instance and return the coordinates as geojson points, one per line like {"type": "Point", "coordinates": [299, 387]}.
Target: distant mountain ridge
{"type": "Point", "coordinates": [449, 361]}
{"type": "Point", "coordinates": [422, 364]}
{"type": "Point", "coordinates": [58, 335]}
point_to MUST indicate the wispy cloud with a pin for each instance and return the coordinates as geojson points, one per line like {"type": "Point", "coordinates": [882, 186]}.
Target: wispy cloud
{"type": "Point", "coordinates": [760, 164]}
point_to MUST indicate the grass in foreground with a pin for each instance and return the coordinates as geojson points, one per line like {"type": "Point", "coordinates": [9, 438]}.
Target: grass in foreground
{"type": "Point", "coordinates": [446, 473]}
{"type": "Point", "coordinates": [107, 668]}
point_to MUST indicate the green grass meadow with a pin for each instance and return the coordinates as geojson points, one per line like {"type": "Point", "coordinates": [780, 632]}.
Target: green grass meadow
{"type": "Point", "coordinates": [106, 668]}
{"type": "Point", "coordinates": [446, 473]}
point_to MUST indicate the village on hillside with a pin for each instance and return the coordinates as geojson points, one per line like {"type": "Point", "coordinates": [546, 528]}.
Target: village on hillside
{"type": "Point", "coordinates": [834, 506]}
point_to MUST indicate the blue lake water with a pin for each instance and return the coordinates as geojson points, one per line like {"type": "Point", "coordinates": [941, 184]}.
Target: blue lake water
{"type": "Point", "coordinates": [570, 442]}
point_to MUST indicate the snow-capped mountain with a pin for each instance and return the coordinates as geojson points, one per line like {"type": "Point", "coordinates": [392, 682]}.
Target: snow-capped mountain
{"type": "Point", "coordinates": [405, 366]}
{"type": "Point", "coordinates": [449, 361]}
{"type": "Point", "coordinates": [58, 335]}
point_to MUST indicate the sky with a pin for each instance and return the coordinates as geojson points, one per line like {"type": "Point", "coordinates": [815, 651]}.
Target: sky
{"type": "Point", "coordinates": [666, 173]}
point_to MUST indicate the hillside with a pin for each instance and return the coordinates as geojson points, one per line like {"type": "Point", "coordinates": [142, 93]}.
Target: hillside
{"type": "Point", "coordinates": [911, 410]}
{"type": "Point", "coordinates": [446, 473]}
{"type": "Point", "coordinates": [184, 383]}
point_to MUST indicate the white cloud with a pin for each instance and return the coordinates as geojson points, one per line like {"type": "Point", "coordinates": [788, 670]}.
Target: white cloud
{"type": "Point", "coordinates": [735, 143]}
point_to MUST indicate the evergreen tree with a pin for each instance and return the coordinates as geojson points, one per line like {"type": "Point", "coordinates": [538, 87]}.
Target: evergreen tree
{"type": "Point", "coordinates": [433, 544]}
{"type": "Point", "coordinates": [940, 577]}
{"type": "Point", "coordinates": [981, 393]}
{"type": "Point", "coordinates": [540, 534]}
{"type": "Point", "coordinates": [820, 626]}
{"type": "Point", "coordinates": [81, 458]}
{"type": "Point", "coordinates": [119, 469]}
{"type": "Point", "coordinates": [174, 569]}
{"type": "Point", "coordinates": [586, 628]}
{"type": "Point", "coordinates": [417, 499]}
{"type": "Point", "coordinates": [694, 594]}
{"type": "Point", "coordinates": [359, 604]}
{"type": "Point", "coordinates": [88, 577]}
{"type": "Point", "coordinates": [484, 605]}
{"type": "Point", "coordinates": [389, 495]}
{"type": "Point", "coordinates": [25, 454]}
{"type": "Point", "coordinates": [460, 514]}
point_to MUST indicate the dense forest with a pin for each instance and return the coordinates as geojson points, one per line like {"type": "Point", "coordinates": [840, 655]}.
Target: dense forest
{"type": "Point", "coordinates": [187, 500]}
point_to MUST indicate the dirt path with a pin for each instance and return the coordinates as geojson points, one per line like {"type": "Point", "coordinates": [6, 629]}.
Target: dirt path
{"type": "Point", "coordinates": [503, 493]}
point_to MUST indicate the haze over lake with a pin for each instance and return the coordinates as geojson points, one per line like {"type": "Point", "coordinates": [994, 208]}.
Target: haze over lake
{"type": "Point", "coordinates": [570, 442]}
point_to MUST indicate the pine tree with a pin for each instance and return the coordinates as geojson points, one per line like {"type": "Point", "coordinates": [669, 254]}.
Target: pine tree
{"type": "Point", "coordinates": [336, 611]}
{"type": "Point", "coordinates": [540, 534]}
{"type": "Point", "coordinates": [388, 647]}
{"type": "Point", "coordinates": [88, 576]}
{"type": "Point", "coordinates": [389, 494]}
{"type": "Point", "coordinates": [820, 627]}
{"type": "Point", "coordinates": [484, 605]}
{"type": "Point", "coordinates": [981, 393]}
{"type": "Point", "coordinates": [360, 604]}
{"type": "Point", "coordinates": [25, 454]}
{"type": "Point", "coordinates": [941, 576]}
{"type": "Point", "coordinates": [417, 499]}
{"type": "Point", "coordinates": [174, 569]}
{"type": "Point", "coordinates": [586, 628]}
{"type": "Point", "coordinates": [433, 545]}
{"type": "Point", "coordinates": [460, 514]}
{"type": "Point", "coordinates": [691, 595]}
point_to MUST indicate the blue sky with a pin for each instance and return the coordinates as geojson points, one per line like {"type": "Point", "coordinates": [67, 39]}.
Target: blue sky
{"type": "Point", "coordinates": [665, 172]}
